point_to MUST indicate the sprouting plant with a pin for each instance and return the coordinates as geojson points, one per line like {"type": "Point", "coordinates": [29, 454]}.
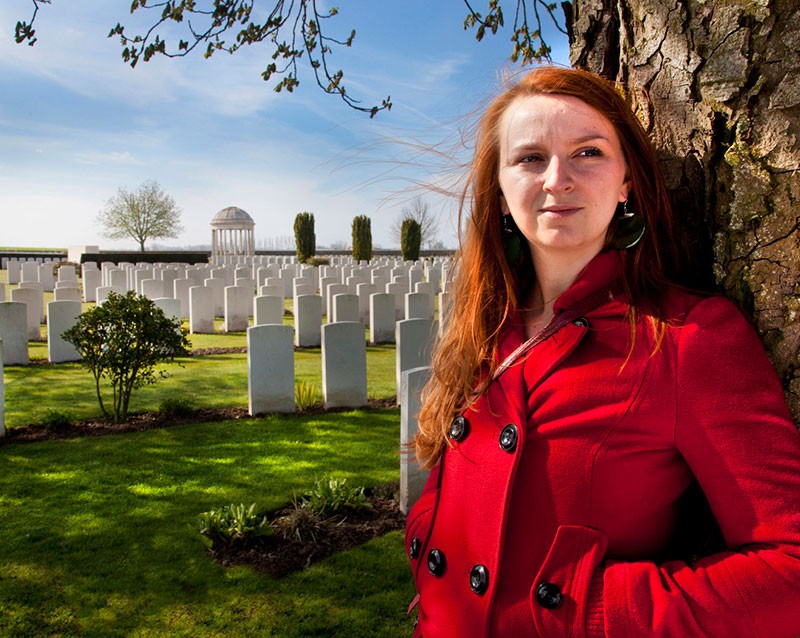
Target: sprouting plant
{"type": "Point", "coordinates": [332, 495]}
{"type": "Point", "coordinates": [55, 419]}
{"type": "Point", "coordinates": [305, 395]}
{"type": "Point", "coordinates": [234, 523]}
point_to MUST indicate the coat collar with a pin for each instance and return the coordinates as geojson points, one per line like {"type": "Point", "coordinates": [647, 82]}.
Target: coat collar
{"type": "Point", "coordinates": [606, 268]}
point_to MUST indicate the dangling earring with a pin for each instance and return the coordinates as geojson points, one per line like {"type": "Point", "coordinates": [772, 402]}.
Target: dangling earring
{"type": "Point", "coordinates": [512, 246]}
{"type": "Point", "coordinates": [628, 229]}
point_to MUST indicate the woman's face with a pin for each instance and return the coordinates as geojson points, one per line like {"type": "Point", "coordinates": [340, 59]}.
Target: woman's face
{"type": "Point", "coordinates": [562, 173]}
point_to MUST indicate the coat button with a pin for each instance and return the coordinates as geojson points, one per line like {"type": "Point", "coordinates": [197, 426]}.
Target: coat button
{"type": "Point", "coordinates": [416, 622]}
{"type": "Point", "coordinates": [479, 579]}
{"type": "Point", "coordinates": [459, 428]}
{"type": "Point", "coordinates": [416, 545]}
{"type": "Point", "coordinates": [508, 438]}
{"type": "Point", "coordinates": [436, 562]}
{"type": "Point", "coordinates": [548, 595]}
{"type": "Point", "coordinates": [582, 322]}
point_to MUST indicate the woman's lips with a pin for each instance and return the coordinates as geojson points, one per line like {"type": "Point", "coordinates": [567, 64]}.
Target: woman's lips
{"type": "Point", "coordinates": [560, 211]}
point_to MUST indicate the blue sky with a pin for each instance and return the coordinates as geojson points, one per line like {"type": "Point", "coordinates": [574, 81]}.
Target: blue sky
{"type": "Point", "coordinates": [76, 123]}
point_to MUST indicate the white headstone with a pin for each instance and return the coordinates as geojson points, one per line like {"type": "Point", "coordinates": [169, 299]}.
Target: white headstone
{"type": "Point", "coordinates": [270, 369]}
{"type": "Point", "coordinates": [101, 293]}
{"type": "Point", "coordinates": [65, 294]}
{"type": "Point", "coordinates": [92, 278]}
{"type": "Point", "coordinates": [271, 291]}
{"type": "Point", "coordinates": [308, 321]}
{"type": "Point", "coordinates": [398, 291]}
{"type": "Point", "coordinates": [2, 291]}
{"type": "Point", "coordinates": [180, 290]}
{"type": "Point", "coordinates": [118, 278]}
{"type": "Point", "coordinates": [46, 276]}
{"type": "Point", "coordinates": [333, 290]}
{"type": "Point", "coordinates": [152, 288]}
{"type": "Point", "coordinates": [238, 302]}
{"type": "Point", "coordinates": [419, 305]}
{"type": "Point", "coordinates": [169, 306]}
{"type": "Point", "coordinates": [415, 339]}
{"type": "Point", "coordinates": [344, 365]}
{"type": "Point", "coordinates": [217, 286]}
{"type": "Point", "coordinates": [169, 276]}
{"type": "Point", "coordinates": [268, 310]}
{"type": "Point", "coordinates": [61, 315]}
{"type": "Point", "coordinates": [412, 477]}
{"type": "Point", "coordinates": [201, 310]}
{"type": "Point", "coordinates": [14, 333]}
{"type": "Point", "coordinates": [67, 273]}
{"type": "Point", "coordinates": [364, 290]}
{"type": "Point", "coordinates": [30, 271]}
{"type": "Point", "coordinates": [34, 307]}
{"type": "Point", "coordinates": [139, 275]}
{"type": "Point", "coordinates": [14, 271]}
{"type": "Point", "coordinates": [382, 317]}
{"type": "Point", "coordinates": [345, 308]}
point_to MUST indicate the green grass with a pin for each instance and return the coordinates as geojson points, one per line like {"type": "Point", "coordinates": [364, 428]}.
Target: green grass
{"type": "Point", "coordinates": [98, 538]}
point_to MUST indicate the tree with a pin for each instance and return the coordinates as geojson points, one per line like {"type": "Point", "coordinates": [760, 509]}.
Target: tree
{"type": "Point", "coordinates": [718, 95]}
{"type": "Point", "coordinates": [420, 211]}
{"type": "Point", "coordinates": [147, 213]}
{"type": "Point", "coordinates": [304, 237]}
{"type": "Point", "coordinates": [362, 238]}
{"type": "Point", "coordinates": [123, 340]}
{"type": "Point", "coordinates": [410, 239]}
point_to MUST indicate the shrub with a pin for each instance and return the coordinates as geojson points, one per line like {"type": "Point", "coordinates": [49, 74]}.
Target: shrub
{"type": "Point", "coordinates": [298, 522]}
{"type": "Point", "coordinates": [318, 261]}
{"type": "Point", "coordinates": [232, 523]}
{"type": "Point", "coordinates": [332, 495]}
{"type": "Point", "coordinates": [176, 406]}
{"type": "Point", "coordinates": [304, 237]}
{"type": "Point", "coordinates": [305, 395]}
{"type": "Point", "coordinates": [123, 340]}
{"type": "Point", "coordinates": [410, 239]}
{"type": "Point", "coordinates": [362, 238]}
{"type": "Point", "coordinates": [56, 419]}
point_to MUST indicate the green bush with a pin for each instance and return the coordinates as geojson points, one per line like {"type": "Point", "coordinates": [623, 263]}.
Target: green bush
{"type": "Point", "coordinates": [176, 406]}
{"type": "Point", "coordinates": [56, 419]}
{"type": "Point", "coordinates": [318, 261]}
{"type": "Point", "coordinates": [362, 238]}
{"type": "Point", "coordinates": [410, 239]}
{"type": "Point", "coordinates": [233, 523]}
{"type": "Point", "coordinates": [122, 341]}
{"type": "Point", "coordinates": [304, 237]}
{"type": "Point", "coordinates": [332, 495]}
{"type": "Point", "coordinates": [305, 395]}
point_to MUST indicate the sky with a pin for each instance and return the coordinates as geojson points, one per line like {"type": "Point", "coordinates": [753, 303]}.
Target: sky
{"type": "Point", "coordinates": [77, 124]}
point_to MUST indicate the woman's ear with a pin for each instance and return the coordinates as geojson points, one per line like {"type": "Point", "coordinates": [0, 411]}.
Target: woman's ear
{"type": "Point", "coordinates": [503, 205]}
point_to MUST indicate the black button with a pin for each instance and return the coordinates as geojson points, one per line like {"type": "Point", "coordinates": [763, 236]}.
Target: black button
{"type": "Point", "coordinates": [459, 428]}
{"type": "Point", "coordinates": [582, 322]}
{"type": "Point", "coordinates": [508, 438]}
{"type": "Point", "coordinates": [416, 545]}
{"type": "Point", "coordinates": [548, 595]}
{"type": "Point", "coordinates": [436, 562]}
{"type": "Point", "coordinates": [479, 579]}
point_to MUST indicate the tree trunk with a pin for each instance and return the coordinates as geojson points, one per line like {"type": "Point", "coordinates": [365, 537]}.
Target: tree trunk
{"type": "Point", "coordinates": [717, 85]}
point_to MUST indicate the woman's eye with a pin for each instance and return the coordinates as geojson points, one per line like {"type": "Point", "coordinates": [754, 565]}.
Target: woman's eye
{"type": "Point", "coordinates": [591, 152]}
{"type": "Point", "coordinates": [529, 158]}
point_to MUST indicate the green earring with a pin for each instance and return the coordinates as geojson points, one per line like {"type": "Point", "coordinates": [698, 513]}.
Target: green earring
{"type": "Point", "coordinates": [512, 245]}
{"type": "Point", "coordinates": [628, 229]}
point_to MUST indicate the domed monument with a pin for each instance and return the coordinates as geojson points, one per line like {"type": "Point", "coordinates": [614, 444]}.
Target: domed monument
{"type": "Point", "coordinates": [232, 233]}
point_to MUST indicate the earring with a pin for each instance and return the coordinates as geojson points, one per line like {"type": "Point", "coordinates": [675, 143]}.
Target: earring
{"type": "Point", "coordinates": [628, 229]}
{"type": "Point", "coordinates": [512, 245]}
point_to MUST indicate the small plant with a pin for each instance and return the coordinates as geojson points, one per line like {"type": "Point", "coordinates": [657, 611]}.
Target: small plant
{"type": "Point", "coordinates": [298, 522]}
{"type": "Point", "coordinates": [318, 261]}
{"type": "Point", "coordinates": [333, 495]}
{"type": "Point", "coordinates": [234, 523]}
{"type": "Point", "coordinates": [56, 419]}
{"type": "Point", "coordinates": [176, 406]}
{"type": "Point", "coordinates": [305, 395]}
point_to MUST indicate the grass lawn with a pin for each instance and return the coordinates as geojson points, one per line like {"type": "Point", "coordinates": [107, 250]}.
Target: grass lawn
{"type": "Point", "coordinates": [97, 535]}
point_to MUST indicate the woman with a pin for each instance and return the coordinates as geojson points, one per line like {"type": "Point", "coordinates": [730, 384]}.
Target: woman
{"type": "Point", "coordinates": [555, 505]}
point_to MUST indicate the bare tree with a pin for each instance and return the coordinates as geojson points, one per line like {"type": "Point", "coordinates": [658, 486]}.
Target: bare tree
{"type": "Point", "coordinates": [147, 213]}
{"type": "Point", "coordinates": [420, 211]}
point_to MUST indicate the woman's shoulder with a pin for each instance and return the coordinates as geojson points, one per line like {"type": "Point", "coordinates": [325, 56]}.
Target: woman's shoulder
{"type": "Point", "coordinates": [690, 309]}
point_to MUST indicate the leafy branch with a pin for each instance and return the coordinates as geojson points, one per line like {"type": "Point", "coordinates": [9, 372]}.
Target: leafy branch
{"type": "Point", "coordinates": [24, 31]}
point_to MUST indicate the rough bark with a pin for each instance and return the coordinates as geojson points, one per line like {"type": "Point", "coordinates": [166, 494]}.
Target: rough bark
{"type": "Point", "coordinates": [717, 85]}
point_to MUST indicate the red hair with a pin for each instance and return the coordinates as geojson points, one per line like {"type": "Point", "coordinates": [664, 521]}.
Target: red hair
{"type": "Point", "coordinates": [487, 291]}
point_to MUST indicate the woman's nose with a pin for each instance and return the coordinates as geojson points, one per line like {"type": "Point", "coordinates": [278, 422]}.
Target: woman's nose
{"type": "Point", "coordinates": [557, 176]}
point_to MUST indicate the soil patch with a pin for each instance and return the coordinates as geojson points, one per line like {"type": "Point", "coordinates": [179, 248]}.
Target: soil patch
{"type": "Point", "coordinates": [150, 421]}
{"type": "Point", "coordinates": [291, 549]}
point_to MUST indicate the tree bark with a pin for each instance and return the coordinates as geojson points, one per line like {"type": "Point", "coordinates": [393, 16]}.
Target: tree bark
{"type": "Point", "coordinates": [717, 86]}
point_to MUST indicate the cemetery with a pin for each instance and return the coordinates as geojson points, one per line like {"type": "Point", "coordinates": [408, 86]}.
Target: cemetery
{"type": "Point", "coordinates": [298, 380]}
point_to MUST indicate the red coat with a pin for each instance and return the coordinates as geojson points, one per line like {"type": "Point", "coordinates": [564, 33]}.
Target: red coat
{"type": "Point", "coordinates": [567, 531]}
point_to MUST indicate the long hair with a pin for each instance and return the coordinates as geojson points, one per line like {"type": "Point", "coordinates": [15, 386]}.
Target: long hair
{"type": "Point", "coordinates": [487, 291]}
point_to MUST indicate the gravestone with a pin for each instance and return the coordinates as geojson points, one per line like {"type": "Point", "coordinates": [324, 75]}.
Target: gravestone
{"type": "Point", "coordinates": [2, 291]}
{"type": "Point", "coordinates": [217, 287]}
{"type": "Point", "coordinates": [270, 369]}
{"type": "Point", "coordinates": [419, 305]}
{"type": "Point", "coordinates": [67, 273]}
{"type": "Point", "coordinates": [268, 309]}
{"type": "Point", "coordinates": [14, 332]}
{"type": "Point", "coordinates": [271, 291]}
{"type": "Point", "coordinates": [201, 310]}
{"type": "Point", "coordinates": [169, 276]}
{"type": "Point", "coordinates": [180, 290]}
{"type": "Point", "coordinates": [382, 317]}
{"type": "Point", "coordinates": [34, 308]}
{"type": "Point", "coordinates": [398, 291]}
{"type": "Point", "coordinates": [61, 315]}
{"type": "Point", "coordinates": [415, 339]}
{"type": "Point", "coordinates": [333, 290]}
{"type": "Point", "coordinates": [169, 306]}
{"type": "Point", "coordinates": [344, 365]}
{"type": "Point", "coordinates": [238, 302]}
{"type": "Point", "coordinates": [412, 477]}
{"type": "Point", "coordinates": [345, 308]}
{"type": "Point", "coordinates": [101, 293]}
{"type": "Point", "coordinates": [29, 271]}
{"type": "Point", "coordinates": [152, 288]}
{"type": "Point", "coordinates": [364, 290]}
{"type": "Point", "coordinates": [65, 294]}
{"type": "Point", "coordinates": [46, 277]}
{"type": "Point", "coordinates": [118, 278]}
{"type": "Point", "coordinates": [308, 321]}
{"type": "Point", "coordinates": [92, 279]}
{"type": "Point", "coordinates": [139, 275]}
{"type": "Point", "coordinates": [14, 271]}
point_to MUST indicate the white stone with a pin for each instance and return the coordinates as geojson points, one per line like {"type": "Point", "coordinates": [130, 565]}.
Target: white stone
{"type": "Point", "coordinates": [46, 277]}
{"type": "Point", "coordinates": [30, 271]}
{"type": "Point", "coordinates": [238, 301]}
{"type": "Point", "coordinates": [66, 294]}
{"type": "Point", "coordinates": [382, 317]}
{"type": "Point", "coordinates": [169, 306]}
{"type": "Point", "coordinates": [247, 282]}
{"type": "Point", "coordinates": [14, 333]}
{"type": "Point", "coordinates": [270, 369]}
{"type": "Point", "coordinates": [118, 278]}
{"type": "Point", "coordinates": [180, 291]}
{"type": "Point", "coordinates": [139, 275]}
{"type": "Point", "coordinates": [271, 291]}
{"type": "Point", "coordinates": [92, 279]}
{"type": "Point", "coordinates": [333, 290]}
{"type": "Point", "coordinates": [415, 339]}
{"type": "Point", "coordinates": [412, 476]}
{"type": "Point", "coordinates": [152, 288]}
{"type": "Point", "coordinates": [217, 287]}
{"type": "Point", "coordinates": [169, 276]}
{"type": "Point", "coordinates": [34, 307]}
{"type": "Point", "coordinates": [201, 310]}
{"type": "Point", "coordinates": [308, 321]}
{"type": "Point", "coordinates": [344, 365]}
{"type": "Point", "coordinates": [419, 305]}
{"type": "Point", "coordinates": [101, 293]}
{"type": "Point", "coordinates": [14, 271]}
{"type": "Point", "coordinates": [398, 291]}
{"type": "Point", "coordinates": [67, 273]}
{"type": "Point", "coordinates": [345, 307]}
{"type": "Point", "coordinates": [268, 309]}
{"type": "Point", "coordinates": [364, 290]}
{"type": "Point", "coordinates": [287, 274]}
{"type": "Point", "coordinates": [61, 316]}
